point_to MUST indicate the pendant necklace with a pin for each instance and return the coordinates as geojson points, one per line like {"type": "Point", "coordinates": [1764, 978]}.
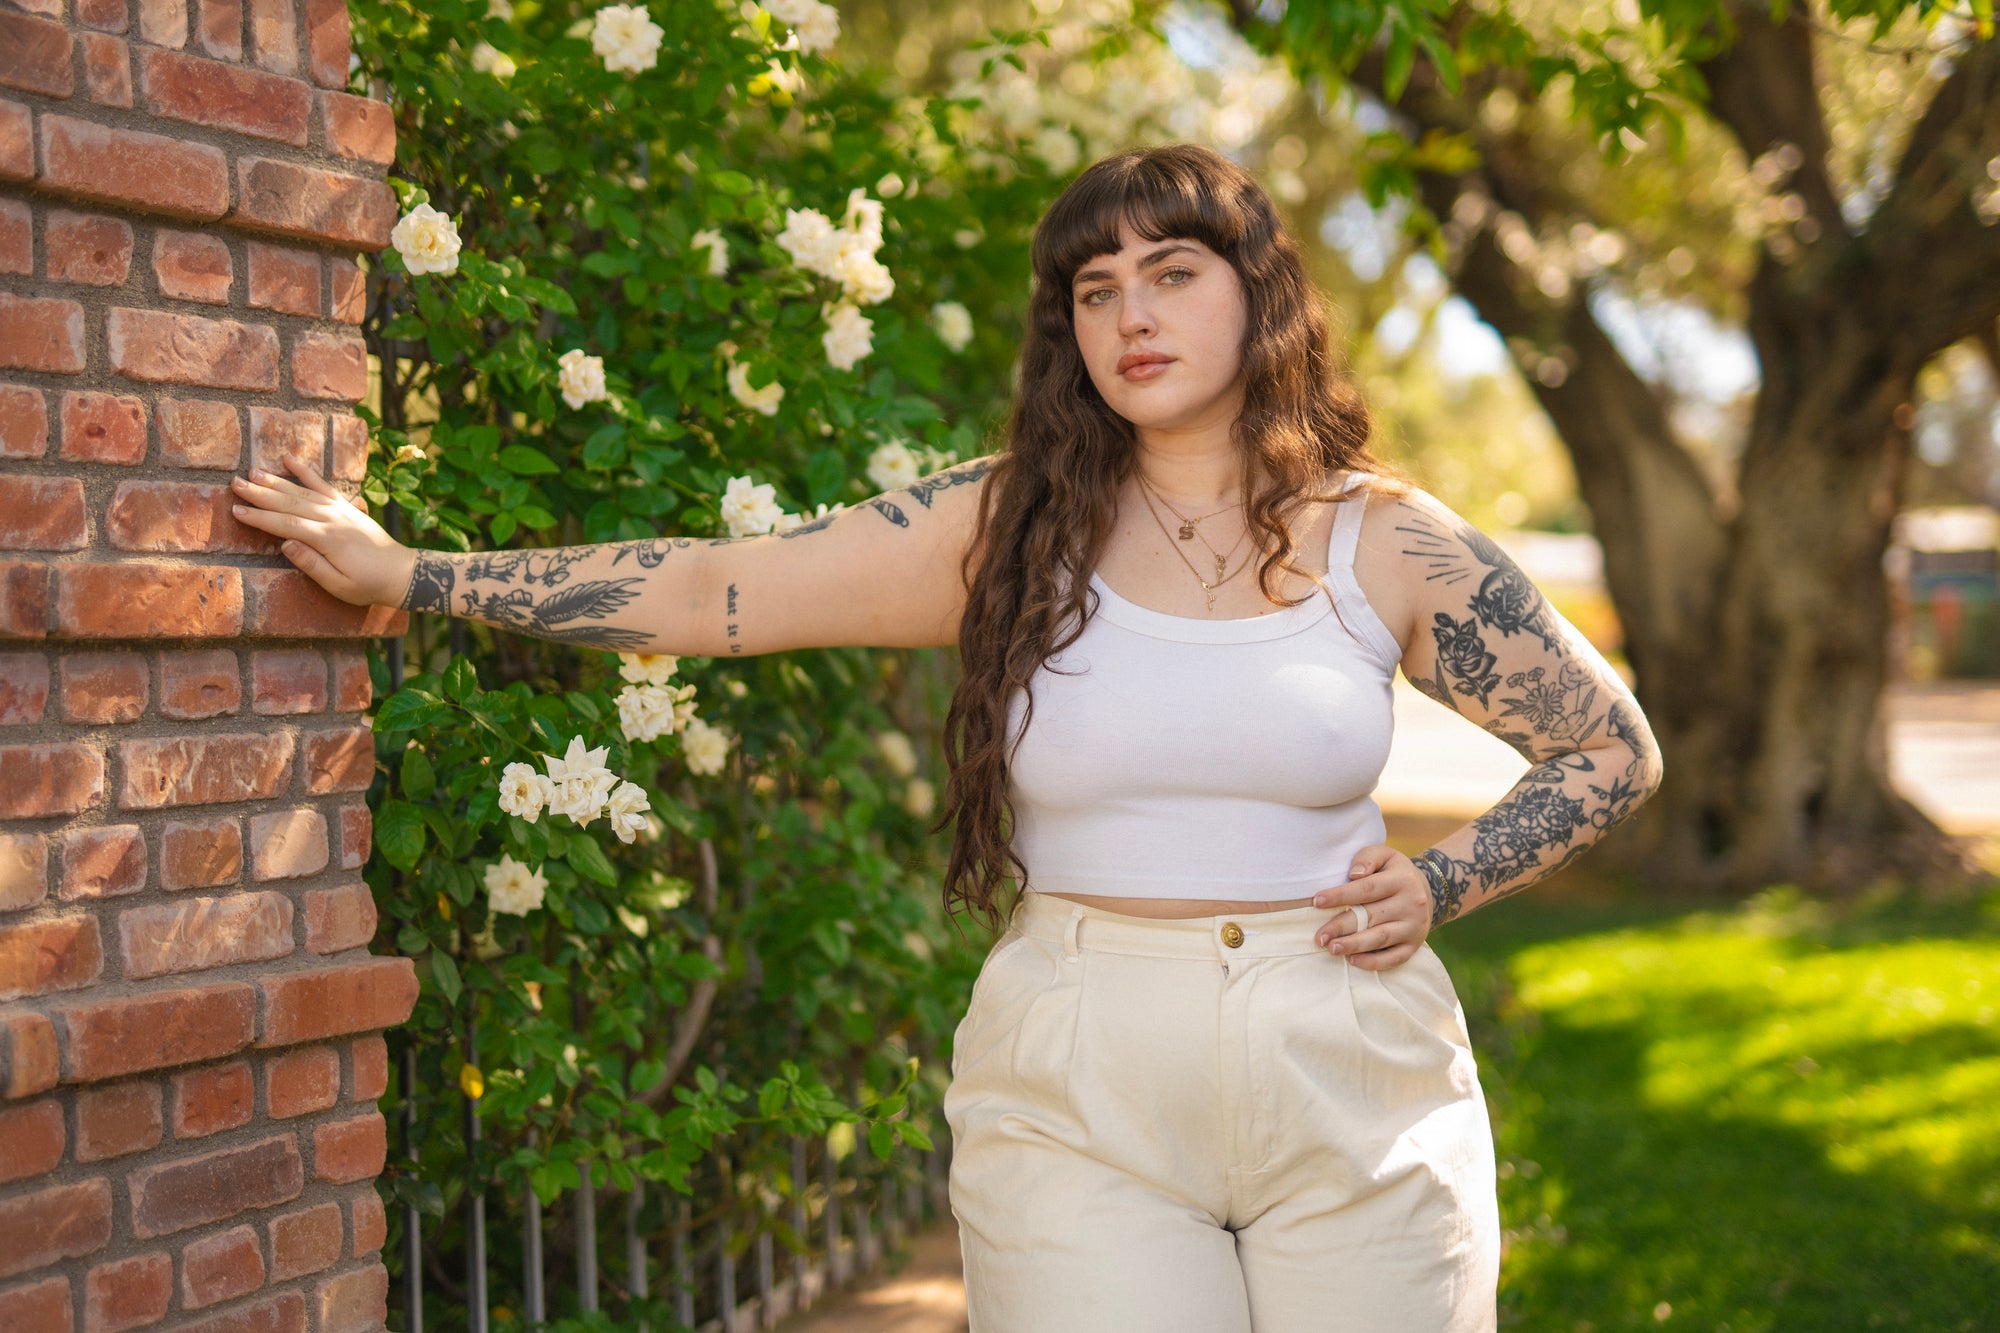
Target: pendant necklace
{"type": "Point", "coordinates": [1220, 560]}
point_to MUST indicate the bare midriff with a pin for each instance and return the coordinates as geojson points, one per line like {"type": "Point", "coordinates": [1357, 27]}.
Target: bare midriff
{"type": "Point", "coordinates": [1176, 908]}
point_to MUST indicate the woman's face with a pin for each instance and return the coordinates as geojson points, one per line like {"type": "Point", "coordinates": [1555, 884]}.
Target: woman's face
{"type": "Point", "coordinates": [1173, 298]}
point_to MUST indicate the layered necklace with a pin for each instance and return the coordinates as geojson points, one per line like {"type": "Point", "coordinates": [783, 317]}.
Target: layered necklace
{"type": "Point", "coordinates": [1189, 532]}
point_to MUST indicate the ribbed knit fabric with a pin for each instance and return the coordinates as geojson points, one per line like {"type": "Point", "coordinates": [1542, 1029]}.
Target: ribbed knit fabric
{"type": "Point", "coordinates": [1189, 758]}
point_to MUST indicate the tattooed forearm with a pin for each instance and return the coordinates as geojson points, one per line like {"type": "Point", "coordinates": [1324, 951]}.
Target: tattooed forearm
{"type": "Point", "coordinates": [567, 594]}
{"type": "Point", "coordinates": [734, 646]}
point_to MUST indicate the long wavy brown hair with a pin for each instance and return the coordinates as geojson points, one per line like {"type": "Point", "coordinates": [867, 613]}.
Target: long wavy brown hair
{"type": "Point", "coordinates": [1050, 498]}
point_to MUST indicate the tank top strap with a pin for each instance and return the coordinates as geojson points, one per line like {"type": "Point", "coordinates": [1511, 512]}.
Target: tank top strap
{"type": "Point", "coordinates": [1345, 536]}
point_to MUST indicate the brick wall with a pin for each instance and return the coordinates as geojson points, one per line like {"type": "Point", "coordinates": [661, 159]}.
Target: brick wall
{"type": "Point", "coordinates": [190, 1021]}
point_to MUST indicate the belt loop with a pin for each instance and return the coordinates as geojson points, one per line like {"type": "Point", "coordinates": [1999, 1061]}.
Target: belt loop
{"type": "Point", "coordinates": [1069, 934]}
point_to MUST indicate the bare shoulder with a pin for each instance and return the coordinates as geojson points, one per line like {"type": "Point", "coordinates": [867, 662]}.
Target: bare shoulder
{"type": "Point", "coordinates": [1403, 528]}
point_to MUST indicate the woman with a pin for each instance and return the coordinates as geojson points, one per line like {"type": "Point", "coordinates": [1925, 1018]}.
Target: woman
{"type": "Point", "coordinates": [1212, 1077]}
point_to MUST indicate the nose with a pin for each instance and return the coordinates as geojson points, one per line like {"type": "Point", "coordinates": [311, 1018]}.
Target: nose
{"type": "Point", "coordinates": [1135, 315]}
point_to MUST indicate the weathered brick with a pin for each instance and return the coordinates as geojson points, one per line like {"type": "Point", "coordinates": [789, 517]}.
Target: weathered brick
{"type": "Point", "coordinates": [203, 768]}
{"type": "Point", "coordinates": [353, 1302]}
{"type": "Point", "coordinates": [350, 448]}
{"type": "Point", "coordinates": [193, 1191]}
{"type": "Point", "coordinates": [284, 1312]}
{"type": "Point", "coordinates": [339, 759]}
{"type": "Point", "coordinates": [221, 28]}
{"type": "Point", "coordinates": [24, 422]}
{"type": "Point", "coordinates": [35, 55]}
{"type": "Point", "coordinates": [277, 436]}
{"type": "Point", "coordinates": [201, 854]}
{"type": "Point", "coordinates": [200, 683]}
{"type": "Point", "coordinates": [274, 34]}
{"type": "Point", "coordinates": [350, 290]}
{"type": "Point", "coordinates": [371, 1223]}
{"type": "Point", "coordinates": [295, 200]}
{"type": "Point", "coordinates": [195, 934]}
{"type": "Point", "coordinates": [208, 1101]}
{"type": "Point", "coordinates": [370, 1058]}
{"type": "Point", "coordinates": [53, 778]}
{"type": "Point", "coordinates": [363, 996]}
{"type": "Point", "coordinates": [181, 516]}
{"type": "Point", "coordinates": [352, 690]}
{"type": "Point", "coordinates": [41, 333]}
{"type": "Point", "coordinates": [348, 1150]}
{"type": "Point", "coordinates": [145, 599]}
{"type": "Point", "coordinates": [51, 1225]}
{"type": "Point", "coordinates": [42, 957]}
{"type": "Point", "coordinates": [330, 366]}
{"type": "Point", "coordinates": [17, 142]}
{"type": "Point", "coordinates": [156, 1030]}
{"type": "Point", "coordinates": [24, 599]}
{"type": "Point", "coordinates": [32, 1139]}
{"type": "Point", "coordinates": [24, 691]}
{"type": "Point", "coordinates": [28, 1060]}
{"type": "Point", "coordinates": [306, 1242]}
{"type": "Point", "coordinates": [161, 346]}
{"type": "Point", "coordinates": [37, 1307]}
{"type": "Point", "coordinates": [287, 844]}
{"type": "Point", "coordinates": [286, 604]}
{"type": "Point", "coordinates": [108, 861]}
{"type": "Point", "coordinates": [103, 428]}
{"type": "Point", "coordinates": [341, 918]}
{"type": "Point", "coordinates": [104, 15]}
{"type": "Point", "coordinates": [107, 69]}
{"type": "Point", "coordinates": [104, 687]}
{"type": "Point", "coordinates": [112, 1122]}
{"type": "Point", "coordinates": [155, 172]}
{"type": "Point", "coordinates": [357, 830]}
{"type": "Point", "coordinates": [328, 42]}
{"type": "Point", "coordinates": [197, 434]}
{"type": "Point", "coordinates": [128, 1293]}
{"type": "Point", "coordinates": [192, 266]}
{"type": "Point", "coordinates": [227, 97]}
{"type": "Point", "coordinates": [284, 279]}
{"type": "Point", "coordinates": [24, 870]}
{"type": "Point", "coordinates": [17, 237]}
{"type": "Point", "coordinates": [283, 681]}
{"type": "Point", "coordinates": [163, 22]}
{"type": "Point", "coordinates": [359, 127]}
{"type": "Point", "coordinates": [221, 1267]}
{"type": "Point", "coordinates": [41, 513]}
{"type": "Point", "coordinates": [302, 1081]}
{"type": "Point", "coordinates": [86, 248]}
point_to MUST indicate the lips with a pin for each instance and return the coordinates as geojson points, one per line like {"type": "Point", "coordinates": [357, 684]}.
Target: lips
{"type": "Point", "coordinates": [1131, 359]}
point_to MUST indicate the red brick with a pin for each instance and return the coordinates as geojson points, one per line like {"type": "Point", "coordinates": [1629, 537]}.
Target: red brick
{"type": "Point", "coordinates": [362, 996]}
{"type": "Point", "coordinates": [192, 267]}
{"type": "Point", "coordinates": [221, 28]}
{"type": "Point", "coordinates": [274, 34]}
{"type": "Point", "coordinates": [28, 1059]}
{"type": "Point", "coordinates": [47, 8]}
{"type": "Point", "coordinates": [24, 870]}
{"type": "Point", "coordinates": [202, 768]}
{"type": "Point", "coordinates": [286, 604]}
{"type": "Point", "coordinates": [200, 683]}
{"type": "Point", "coordinates": [107, 15]}
{"type": "Point", "coordinates": [107, 69]}
{"type": "Point", "coordinates": [354, 1302]}
{"type": "Point", "coordinates": [181, 516]}
{"type": "Point", "coordinates": [88, 249]}
{"type": "Point", "coordinates": [348, 1150]}
{"type": "Point", "coordinates": [350, 291]}
{"type": "Point", "coordinates": [306, 1242]}
{"type": "Point", "coordinates": [51, 1225]}
{"type": "Point", "coordinates": [17, 140]}
{"type": "Point", "coordinates": [277, 435]}
{"type": "Point", "coordinates": [339, 759]}
{"type": "Point", "coordinates": [155, 172]}
{"type": "Point", "coordinates": [145, 599]}
{"type": "Point", "coordinates": [208, 1101]}
{"type": "Point", "coordinates": [37, 1307]}
{"type": "Point", "coordinates": [103, 428]}
{"type": "Point", "coordinates": [41, 514]}
{"type": "Point", "coordinates": [128, 1293]}
{"type": "Point", "coordinates": [111, 1122]}
{"type": "Point", "coordinates": [287, 844]}
{"type": "Point", "coordinates": [295, 200]}
{"type": "Point", "coordinates": [282, 1313]}
{"type": "Point", "coordinates": [328, 42]}
{"type": "Point", "coordinates": [359, 127]}
{"type": "Point", "coordinates": [41, 957]}
{"type": "Point", "coordinates": [104, 687]}
{"type": "Point", "coordinates": [17, 237]}
{"type": "Point", "coordinates": [196, 434]}
{"type": "Point", "coordinates": [221, 1267]}
{"type": "Point", "coordinates": [371, 1223]}
{"type": "Point", "coordinates": [283, 681]}
{"type": "Point", "coordinates": [337, 919]}
{"type": "Point", "coordinates": [301, 1082]}
{"type": "Point", "coordinates": [350, 449]}
{"type": "Point", "coordinates": [356, 832]}
{"type": "Point", "coordinates": [156, 1030]}
{"type": "Point", "coordinates": [108, 861]}
{"type": "Point", "coordinates": [370, 1057]}
{"type": "Point", "coordinates": [163, 22]}
{"type": "Point", "coordinates": [196, 934]}
{"type": "Point", "coordinates": [227, 97]}
{"type": "Point", "coordinates": [24, 691]}
{"type": "Point", "coordinates": [24, 422]}
{"type": "Point", "coordinates": [56, 778]}
{"type": "Point", "coordinates": [163, 347]}
{"type": "Point", "coordinates": [24, 599]}
{"type": "Point", "coordinates": [284, 279]}
{"type": "Point", "coordinates": [200, 854]}
{"type": "Point", "coordinates": [31, 1140]}
{"type": "Point", "coordinates": [330, 366]}
{"type": "Point", "coordinates": [35, 55]}
{"type": "Point", "coordinates": [352, 690]}
{"type": "Point", "coordinates": [41, 333]}
{"type": "Point", "coordinates": [192, 1191]}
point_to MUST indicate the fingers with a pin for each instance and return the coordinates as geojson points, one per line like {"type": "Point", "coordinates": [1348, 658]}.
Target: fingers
{"type": "Point", "coordinates": [1383, 959]}
{"type": "Point", "coordinates": [309, 474]}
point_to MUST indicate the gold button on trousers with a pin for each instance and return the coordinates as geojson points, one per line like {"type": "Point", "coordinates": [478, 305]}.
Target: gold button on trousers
{"type": "Point", "coordinates": [1214, 1126]}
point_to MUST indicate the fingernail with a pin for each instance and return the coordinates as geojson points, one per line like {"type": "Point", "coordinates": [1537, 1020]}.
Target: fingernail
{"type": "Point", "coordinates": [236, 509]}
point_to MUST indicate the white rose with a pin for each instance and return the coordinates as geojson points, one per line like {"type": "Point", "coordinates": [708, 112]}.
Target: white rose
{"type": "Point", "coordinates": [718, 250]}
{"type": "Point", "coordinates": [892, 466]}
{"type": "Point", "coordinates": [819, 29]}
{"type": "Point", "coordinates": [764, 400]}
{"type": "Point", "coordinates": [500, 9]}
{"type": "Point", "coordinates": [523, 791]}
{"type": "Point", "coordinates": [513, 888]}
{"type": "Point", "coordinates": [897, 753]}
{"type": "Point", "coordinates": [864, 281]}
{"type": "Point", "coordinates": [582, 378]}
{"type": "Point", "coordinates": [581, 781]}
{"type": "Point", "coordinates": [919, 798]}
{"type": "Point", "coordinates": [953, 323]}
{"type": "Point", "coordinates": [1057, 147]}
{"type": "Point", "coordinates": [889, 186]}
{"type": "Point", "coordinates": [705, 747]}
{"type": "Point", "coordinates": [864, 215]}
{"type": "Point", "coordinates": [647, 711]}
{"type": "Point", "coordinates": [626, 810]}
{"type": "Point", "coordinates": [849, 336]}
{"type": "Point", "coordinates": [626, 38]}
{"type": "Point", "coordinates": [409, 453]}
{"type": "Point", "coordinates": [487, 60]}
{"type": "Point", "coordinates": [749, 508]}
{"type": "Point", "coordinates": [810, 239]}
{"type": "Point", "coordinates": [648, 668]}
{"type": "Point", "coordinates": [427, 240]}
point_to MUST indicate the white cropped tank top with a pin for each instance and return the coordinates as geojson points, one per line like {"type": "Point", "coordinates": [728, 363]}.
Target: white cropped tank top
{"type": "Point", "coordinates": [1191, 758]}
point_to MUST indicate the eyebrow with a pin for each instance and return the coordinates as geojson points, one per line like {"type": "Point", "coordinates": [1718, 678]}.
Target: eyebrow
{"type": "Point", "coordinates": [1093, 274]}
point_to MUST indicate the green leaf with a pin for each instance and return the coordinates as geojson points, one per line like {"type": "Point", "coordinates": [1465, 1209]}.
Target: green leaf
{"type": "Point", "coordinates": [525, 462]}
{"type": "Point", "coordinates": [407, 709]}
{"type": "Point", "coordinates": [419, 779]}
{"type": "Point", "coordinates": [445, 971]}
{"type": "Point", "coordinates": [589, 859]}
{"type": "Point", "coordinates": [461, 679]}
{"type": "Point", "coordinates": [399, 833]}
{"type": "Point", "coordinates": [881, 1140]}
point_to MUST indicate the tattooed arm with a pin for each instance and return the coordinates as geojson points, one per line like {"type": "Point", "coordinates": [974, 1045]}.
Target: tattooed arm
{"type": "Point", "coordinates": [1486, 644]}
{"type": "Point", "coordinates": [884, 573]}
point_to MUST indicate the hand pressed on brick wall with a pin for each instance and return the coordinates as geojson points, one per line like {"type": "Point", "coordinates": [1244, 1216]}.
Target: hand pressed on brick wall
{"type": "Point", "coordinates": [332, 540]}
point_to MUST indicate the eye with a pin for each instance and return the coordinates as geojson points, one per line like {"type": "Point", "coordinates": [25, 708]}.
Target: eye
{"type": "Point", "coordinates": [1089, 298]}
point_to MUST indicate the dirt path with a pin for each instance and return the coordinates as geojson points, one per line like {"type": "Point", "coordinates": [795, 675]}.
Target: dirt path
{"type": "Point", "coordinates": [926, 1295]}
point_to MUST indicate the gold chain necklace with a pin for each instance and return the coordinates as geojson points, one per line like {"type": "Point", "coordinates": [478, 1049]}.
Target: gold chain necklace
{"type": "Point", "coordinates": [1207, 587]}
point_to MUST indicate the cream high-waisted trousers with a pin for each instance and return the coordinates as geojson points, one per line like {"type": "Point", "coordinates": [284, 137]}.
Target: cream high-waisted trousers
{"type": "Point", "coordinates": [1214, 1126]}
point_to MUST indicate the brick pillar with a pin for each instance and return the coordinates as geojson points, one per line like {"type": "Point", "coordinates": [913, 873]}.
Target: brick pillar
{"type": "Point", "coordinates": [190, 1020]}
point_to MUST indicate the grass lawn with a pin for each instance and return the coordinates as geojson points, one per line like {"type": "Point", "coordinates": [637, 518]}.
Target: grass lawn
{"type": "Point", "coordinates": [1771, 1116]}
